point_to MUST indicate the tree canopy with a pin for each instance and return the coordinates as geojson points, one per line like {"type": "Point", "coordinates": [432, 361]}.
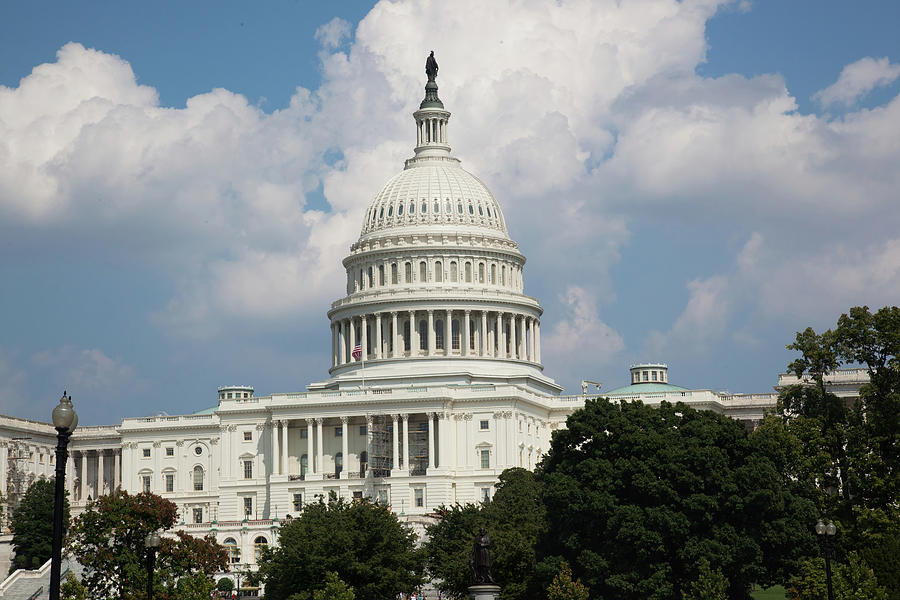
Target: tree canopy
{"type": "Point", "coordinates": [361, 542]}
{"type": "Point", "coordinates": [637, 496]}
{"type": "Point", "coordinates": [32, 525]}
{"type": "Point", "coordinates": [108, 539]}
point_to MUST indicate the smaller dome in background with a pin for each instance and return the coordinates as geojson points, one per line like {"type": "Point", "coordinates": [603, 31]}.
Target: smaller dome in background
{"type": "Point", "coordinates": [647, 378]}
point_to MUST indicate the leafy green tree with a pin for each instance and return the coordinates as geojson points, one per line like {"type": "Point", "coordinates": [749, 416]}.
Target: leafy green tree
{"type": "Point", "coordinates": [514, 520]}
{"type": "Point", "coordinates": [225, 584]}
{"type": "Point", "coordinates": [564, 588]}
{"type": "Point", "coordinates": [637, 496]}
{"type": "Point", "coordinates": [334, 589]}
{"type": "Point", "coordinates": [198, 586]}
{"type": "Point", "coordinates": [710, 584]}
{"type": "Point", "coordinates": [71, 588]}
{"type": "Point", "coordinates": [108, 539]}
{"type": "Point", "coordinates": [32, 525]}
{"type": "Point", "coordinates": [852, 580]}
{"type": "Point", "coordinates": [362, 542]}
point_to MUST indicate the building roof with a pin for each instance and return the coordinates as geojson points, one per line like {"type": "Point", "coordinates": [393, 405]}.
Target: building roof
{"type": "Point", "coordinates": [644, 388]}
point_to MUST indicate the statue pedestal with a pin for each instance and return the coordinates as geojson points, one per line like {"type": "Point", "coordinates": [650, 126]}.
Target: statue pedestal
{"type": "Point", "coordinates": [486, 591]}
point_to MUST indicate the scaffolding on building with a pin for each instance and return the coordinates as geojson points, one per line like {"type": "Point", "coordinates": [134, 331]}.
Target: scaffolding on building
{"type": "Point", "coordinates": [381, 458]}
{"type": "Point", "coordinates": [418, 447]}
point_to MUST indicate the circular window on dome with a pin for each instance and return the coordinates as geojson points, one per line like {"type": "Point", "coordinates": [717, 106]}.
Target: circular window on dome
{"type": "Point", "coordinates": [471, 209]}
{"type": "Point", "coordinates": [391, 210]}
{"type": "Point", "coordinates": [400, 211]}
{"type": "Point", "coordinates": [198, 450]}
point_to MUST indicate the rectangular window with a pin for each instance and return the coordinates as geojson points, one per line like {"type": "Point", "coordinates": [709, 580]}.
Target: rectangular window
{"type": "Point", "coordinates": [304, 433]}
{"type": "Point", "coordinates": [653, 374]}
{"type": "Point", "coordinates": [362, 430]}
{"type": "Point", "coordinates": [419, 497]}
{"type": "Point", "coordinates": [198, 515]}
{"type": "Point", "coordinates": [485, 459]}
{"type": "Point", "coordinates": [248, 436]}
{"type": "Point", "coordinates": [298, 501]}
{"type": "Point", "coordinates": [394, 274]}
{"type": "Point", "coordinates": [357, 495]}
{"type": "Point", "coordinates": [170, 482]}
{"type": "Point", "coordinates": [383, 496]}
{"type": "Point", "coordinates": [484, 425]}
{"type": "Point", "coordinates": [145, 483]}
{"type": "Point", "coordinates": [146, 452]}
{"type": "Point", "coordinates": [248, 469]}
{"type": "Point", "coordinates": [485, 494]}
{"type": "Point", "coordinates": [248, 506]}
{"type": "Point", "coordinates": [338, 432]}
{"type": "Point", "coordinates": [170, 451]}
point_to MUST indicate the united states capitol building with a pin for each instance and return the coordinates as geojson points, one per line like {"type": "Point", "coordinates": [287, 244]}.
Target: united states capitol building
{"type": "Point", "coordinates": [436, 383]}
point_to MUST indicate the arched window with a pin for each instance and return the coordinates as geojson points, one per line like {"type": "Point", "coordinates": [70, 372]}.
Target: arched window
{"type": "Point", "coordinates": [338, 464]}
{"type": "Point", "coordinates": [407, 272]}
{"type": "Point", "coordinates": [480, 272]}
{"type": "Point", "coordinates": [394, 274]}
{"type": "Point", "coordinates": [447, 208]}
{"type": "Point", "coordinates": [400, 210]}
{"type": "Point", "coordinates": [198, 478]}
{"type": "Point", "coordinates": [438, 272]}
{"type": "Point", "coordinates": [363, 463]}
{"type": "Point", "coordinates": [468, 272]}
{"type": "Point", "coordinates": [454, 275]}
{"type": "Point", "coordinates": [454, 330]}
{"type": "Point", "coordinates": [412, 208]}
{"type": "Point", "coordinates": [370, 280]}
{"type": "Point", "coordinates": [391, 210]}
{"type": "Point", "coordinates": [471, 209]}
{"type": "Point", "coordinates": [381, 275]}
{"type": "Point", "coordinates": [424, 208]}
{"type": "Point", "coordinates": [436, 207]}
{"type": "Point", "coordinates": [489, 211]}
{"type": "Point", "coordinates": [304, 466]}
{"type": "Point", "coordinates": [459, 208]}
{"type": "Point", "coordinates": [493, 274]}
{"type": "Point", "coordinates": [503, 275]}
{"type": "Point", "coordinates": [423, 335]}
{"type": "Point", "coordinates": [423, 272]}
{"type": "Point", "coordinates": [439, 334]}
{"type": "Point", "coordinates": [258, 544]}
{"type": "Point", "coordinates": [480, 211]}
{"type": "Point", "coordinates": [234, 553]}
{"type": "Point", "coordinates": [381, 213]}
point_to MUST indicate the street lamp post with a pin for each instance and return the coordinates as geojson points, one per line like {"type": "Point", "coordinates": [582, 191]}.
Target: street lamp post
{"type": "Point", "coordinates": [826, 534]}
{"type": "Point", "coordinates": [151, 542]}
{"type": "Point", "coordinates": [65, 420]}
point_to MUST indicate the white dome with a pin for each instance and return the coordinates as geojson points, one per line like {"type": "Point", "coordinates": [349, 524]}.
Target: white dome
{"type": "Point", "coordinates": [434, 192]}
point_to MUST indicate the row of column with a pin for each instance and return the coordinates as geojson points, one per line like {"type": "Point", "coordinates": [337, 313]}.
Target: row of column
{"type": "Point", "coordinates": [315, 449]}
{"type": "Point", "coordinates": [431, 131]}
{"type": "Point", "coordinates": [77, 473]}
{"type": "Point", "coordinates": [436, 269]}
{"type": "Point", "coordinates": [488, 328]}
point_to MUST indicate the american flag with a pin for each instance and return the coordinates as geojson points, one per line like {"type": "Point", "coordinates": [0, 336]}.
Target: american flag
{"type": "Point", "coordinates": [357, 351]}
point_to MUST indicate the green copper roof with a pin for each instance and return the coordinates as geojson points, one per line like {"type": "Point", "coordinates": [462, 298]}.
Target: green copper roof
{"type": "Point", "coordinates": [207, 411]}
{"type": "Point", "coordinates": [643, 388]}
{"type": "Point", "coordinates": [431, 96]}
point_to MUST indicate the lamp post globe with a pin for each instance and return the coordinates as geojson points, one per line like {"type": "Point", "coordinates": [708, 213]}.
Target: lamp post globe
{"type": "Point", "coordinates": [65, 419]}
{"type": "Point", "coordinates": [826, 532]}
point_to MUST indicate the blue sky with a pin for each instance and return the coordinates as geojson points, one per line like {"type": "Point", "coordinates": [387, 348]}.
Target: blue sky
{"type": "Point", "coordinates": [179, 186]}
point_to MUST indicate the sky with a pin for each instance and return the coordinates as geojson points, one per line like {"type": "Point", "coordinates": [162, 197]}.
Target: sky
{"type": "Point", "coordinates": [691, 182]}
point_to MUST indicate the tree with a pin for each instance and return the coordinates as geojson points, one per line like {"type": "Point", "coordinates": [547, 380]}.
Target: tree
{"type": "Point", "coordinates": [710, 584]}
{"type": "Point", "coordinates": [514, 520]}
{"type": "Point", "coordinates": [852, 580]}
{"type": "Point", "coordinates": [637, 496]}
{"type": "Point", "coordinates": [32, 525]}
{"type": "Point", "coordinates": [362, 542]}
{"type": "Point", "coordinates": [108, 540]}
{"type": "Point", "coordinates": [225, 584]}
{"type": "Point", "coordinates": [334, 589]}
{"type": "Point", "coordinates": [72, 589]}
{"type": "Point", "coordinates": [564, 588]}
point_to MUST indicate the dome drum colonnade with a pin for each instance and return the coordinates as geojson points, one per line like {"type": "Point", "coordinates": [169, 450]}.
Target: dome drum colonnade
{"type": "Point", "coordinates": [441, 281]}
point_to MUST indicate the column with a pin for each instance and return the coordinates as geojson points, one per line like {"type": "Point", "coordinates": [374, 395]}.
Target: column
{"type": "Point", "coordinates": [285, 447]}
{"type": "Point", "coordinates": [413, 334]}
{"type": "Point", "coordinates": [345, 445]}
{"type": "Point", "coordinates": [342, 342]}
{"type": "Point", "coordinates": [70, 472]}
{"type": "Point", "coordinates": [117, 469]}
{"type": "Point", "coordinates": [395, 352]}
{"type": "Point", "coordinates": [448, 332]}
{"type": "Point", "coordinates": [156, 483]}
{"type": "Point", "coordinates": [364, 338]}
{"type": "Point", "coordinates": [430, 440]}
{"type": "Point", "coordinates": [443, 439]}
{"type": "Point", "coordinates": [99, 473]}
{"type": "Point", "coordinates": [405, 441]}
{"type": "Point", "coordinates": [334, 344]}
{"type": "Point", "coordinates": [521, 325]}
{"type": "Point", "coordinates": [501, 331]}
{"type": "Point", "coordinates": [395, 438]}
{"type": "Point", "coordinates": [83, 476]}
{"type": "Point", "coordinates": [310, 455]}
{"type": "Point", "coordinates": [482, 342]}
{"type": "Point", "coordinates": [319, 445]}
{"type": "Point", "coordinates": [377, 335]}
{"type": "Point", "coordinates": [531, 339]}
{"type": "Point", "coordinates": [430, 331]}
{"type": "Point", "coordinates": [470, 441]}
{"type": "Point", "coordinates": [352, 341]}
{"type": "Point", "coordinates": [537, 340]}
{"type": "Point", "coordinates": [276, 447]}
{"type": "Point", "coordinates": [466, 333]}
{"type": "Point", "coordinates": [512, 336]}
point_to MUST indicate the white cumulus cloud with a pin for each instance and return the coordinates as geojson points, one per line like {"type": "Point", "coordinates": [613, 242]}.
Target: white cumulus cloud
{"type": "Point", "coordinates": [858, 79]}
